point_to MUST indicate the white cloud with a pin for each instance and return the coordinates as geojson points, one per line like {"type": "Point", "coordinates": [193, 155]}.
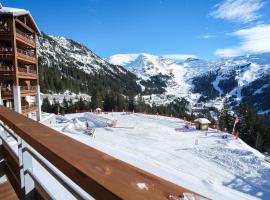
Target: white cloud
{"type": "Point", "coordinates": [179, 56]}
{"type": "Point", "coordinates": [252, 40]}
{"type": "Point", "coordinates": [242, 11]}
{"type": "Point", "coordinates": [207, 36]}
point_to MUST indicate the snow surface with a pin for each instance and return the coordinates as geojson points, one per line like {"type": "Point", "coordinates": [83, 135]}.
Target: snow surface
{"type": "Point", "coordinates": [201, 161]}
{"type": "Point", "coordinates": [216, 168]}
{"type": "Point", "coordinates": [14, 11]}
{"type": "Point", "coordinates": [182, 74]}
{"type": "Point", "coordinates": [147, 65]}
{"type": "Point", "coordinates": [56, 49]}
{"type": "Point", "coordinates": [65, 95]}
{"type": "Point", "coordinates": [203, 121]}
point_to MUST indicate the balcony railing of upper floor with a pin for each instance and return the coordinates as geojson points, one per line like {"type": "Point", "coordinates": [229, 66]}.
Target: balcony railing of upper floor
{"type": "Point", "coordinates": [7, 70]}
{"type": "Point", "coordinates": [5, 26]}
{"type": "Point", "coordinates": [28, 38]}
{"type": "Point", "coordinates": [28, 55]}
{"type": "Point", "coordinates": [6, 91]}
{"type": "Point", "coordinates": [27, 108]}
{"type": "Point", "coordinates": [28, 89]}
{"type": "Point", "coordinates": [27, 71]}
{"type": "Point", "coordinates": [4, 51]}
{"type": "Point", "coordinates": [83, 171]}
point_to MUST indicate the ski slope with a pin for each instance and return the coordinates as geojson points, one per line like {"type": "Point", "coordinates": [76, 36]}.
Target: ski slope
{"type": "Point", "coordinates": [217, 168]}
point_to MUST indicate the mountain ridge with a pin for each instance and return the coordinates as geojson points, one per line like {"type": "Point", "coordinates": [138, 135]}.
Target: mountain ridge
{"type": "Point", "coordinates": [206, 81]}
{"type": "Point", "coordinates": [159, 80]}
{"type": "Point", "coordinates": [79, 69]}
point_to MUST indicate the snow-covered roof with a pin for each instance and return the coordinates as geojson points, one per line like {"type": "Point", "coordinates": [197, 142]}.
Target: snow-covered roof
{"type": "Point", "coordinates": [202, 121]}
{"type": "Point", "coordinates": [18, 12]}
{"type": "Point", "coordinates": [98, 109]}
{"type": "Point", "coordinates": [14, 11]}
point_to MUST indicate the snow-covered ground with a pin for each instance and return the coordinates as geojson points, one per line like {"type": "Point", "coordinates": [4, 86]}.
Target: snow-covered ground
{"type": "Point", "coordinates": [204, 162]}
{"type": "Point", "coordinates": [67, 95]}
{"type": "Point", "coordinates": [214, 167]}
{"type": "Point", "coordinates": [231, 76]}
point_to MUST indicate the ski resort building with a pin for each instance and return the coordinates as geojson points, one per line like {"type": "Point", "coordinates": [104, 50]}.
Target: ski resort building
{"type": "Point", "coordinates": [202, 123]}
{"type": "Point", "coordinates": [18, 61]}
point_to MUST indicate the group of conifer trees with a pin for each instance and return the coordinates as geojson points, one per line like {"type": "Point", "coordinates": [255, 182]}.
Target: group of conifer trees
{"type": "Point", "coordinates": [253, 128]}
{"type": "Point", "coordinates": [115, 102]}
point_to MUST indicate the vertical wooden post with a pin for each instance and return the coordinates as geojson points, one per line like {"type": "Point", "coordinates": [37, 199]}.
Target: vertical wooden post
{"type": "Point", "coordinates": [36, 51]}
{"type": "Point", "coordinates": [17, 98]}
{"type": "Point", "coordinates": [25, 162]}
{"type": "Point", "coordinates": [14, 48]}
{"type": "Point", "coordinates": [1, 100]}
{"type": "Point", "coordinates": [38, 104]}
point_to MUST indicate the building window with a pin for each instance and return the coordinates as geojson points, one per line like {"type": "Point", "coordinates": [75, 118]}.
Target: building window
{"type": "Point", "coordinates": [4, 25]}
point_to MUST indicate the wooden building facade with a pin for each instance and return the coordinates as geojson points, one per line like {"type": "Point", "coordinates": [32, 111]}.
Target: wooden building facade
{"type": "Point", "coordinates": [18, 61]}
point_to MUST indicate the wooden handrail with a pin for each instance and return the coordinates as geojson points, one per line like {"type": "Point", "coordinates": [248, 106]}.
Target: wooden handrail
{"type": "Point", "coordinates": [100, 175]}
{"type": "Point", "coordinates": [7, 69]}
{"type": "Point", "coordinates": [24, 107]}
{"type": "Point", "coordinates": [5, 50]}
{"type": "Point", "coordinates": [28, 88]}
{"type": "Point", "coordinates": [29, 37]}
{"type": "Point", "coordinates": [26, 53]}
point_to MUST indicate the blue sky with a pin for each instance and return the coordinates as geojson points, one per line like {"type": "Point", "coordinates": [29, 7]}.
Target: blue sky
{"type": "Point", "coordinates": [175, 28]}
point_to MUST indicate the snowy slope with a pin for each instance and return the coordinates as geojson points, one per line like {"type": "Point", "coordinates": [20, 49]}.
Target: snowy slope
{"type": "Point", "coordinates": [143, 64]}
{"type": "Point", "coordinates": [146, 66]}
{"type": "Point", "coordinates": [220, 169]}
{"type": "Point", "coordinates": [62, 50]}
{"type": "Point", "coordinates": [217, 168]}
{"type": "Point", "coordinates": [205, 80]}
{"type": "Point", "coordinates": [242, 79]}
{"type": "Point", "coordinates": [66, 65]}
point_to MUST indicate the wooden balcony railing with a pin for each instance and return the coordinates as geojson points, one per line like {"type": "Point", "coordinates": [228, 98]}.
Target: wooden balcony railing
{"type": "Point", "coordinates": [26, 71]}
{"type": "Point", "coordinates": [96, 174]}
{"type": "Point", "coordinates": [6, 51]}
{"type": "Point", "coordinates": [7, 70]}
{"type": "Point", "coordinates": [28, 89]}
{"type": "Point", "coordinates": [25, 37]}
{"type": "Point", "coordinates": [22, 70]}
{"type": "Point", "coordinates": [26, 55]}
{"type": "Point", "coordinates": [25, 107]}
{"type": "Point", "coordinates": [6, 92]}
{"type": "Point", "coordinates": [28, 108]}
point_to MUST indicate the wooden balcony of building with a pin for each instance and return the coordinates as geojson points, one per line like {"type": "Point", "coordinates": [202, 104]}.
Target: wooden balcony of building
{"type": "Point", "coordinates": [6, 53]}
{"type": "Point", "coordinates": [27, 73]}
{"type": "Point", "coordinates": [7, 92]}
{"type": "Point", "coordinates": [28, 90]}
{"type": "Point", "coordinates": [26, 56]}
{"type": "Point", "coordinates": [25, 38]}
{"type": "Point", "coordinates": [29, 108]}
{"type": "Point", "coordinates": [7, 192]}
{"type": "Point", "coordinates": [7, 71]}
{"type": "Point", "coordinates": [5, 26]}
{"type": "Point", "coordinates": [82, 170]}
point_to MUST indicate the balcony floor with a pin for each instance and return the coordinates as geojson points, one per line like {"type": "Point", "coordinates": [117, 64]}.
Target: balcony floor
{"type": "Point", "coordinates": [7, 192]}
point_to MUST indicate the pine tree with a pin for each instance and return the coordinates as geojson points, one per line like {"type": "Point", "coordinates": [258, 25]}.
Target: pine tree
{"type": "Point", "coordinates": [253, 129]}
{"type": "Point", "coordinates": [131, 105]}
{"type": "Point", "coordinates": [64, 106]}
{"type": "Point", "coordinates": [46, 105]}
{"type": "Point", "coordinates": [226, 120]}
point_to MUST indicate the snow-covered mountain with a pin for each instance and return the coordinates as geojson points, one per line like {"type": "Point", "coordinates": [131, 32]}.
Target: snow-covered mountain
{"type": "Point", "coordinates": [159, 79]}
{"type": "Point", "coordinates": [68, 65]}
{"type": "Point", "coordinates": [59, 49]}
{"type": "Point", "coordinates": [165, 78]}
{"type": "Point", "coordinates": [243, 78]}
{"type": "Point", "coordinates": [144, 65]}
